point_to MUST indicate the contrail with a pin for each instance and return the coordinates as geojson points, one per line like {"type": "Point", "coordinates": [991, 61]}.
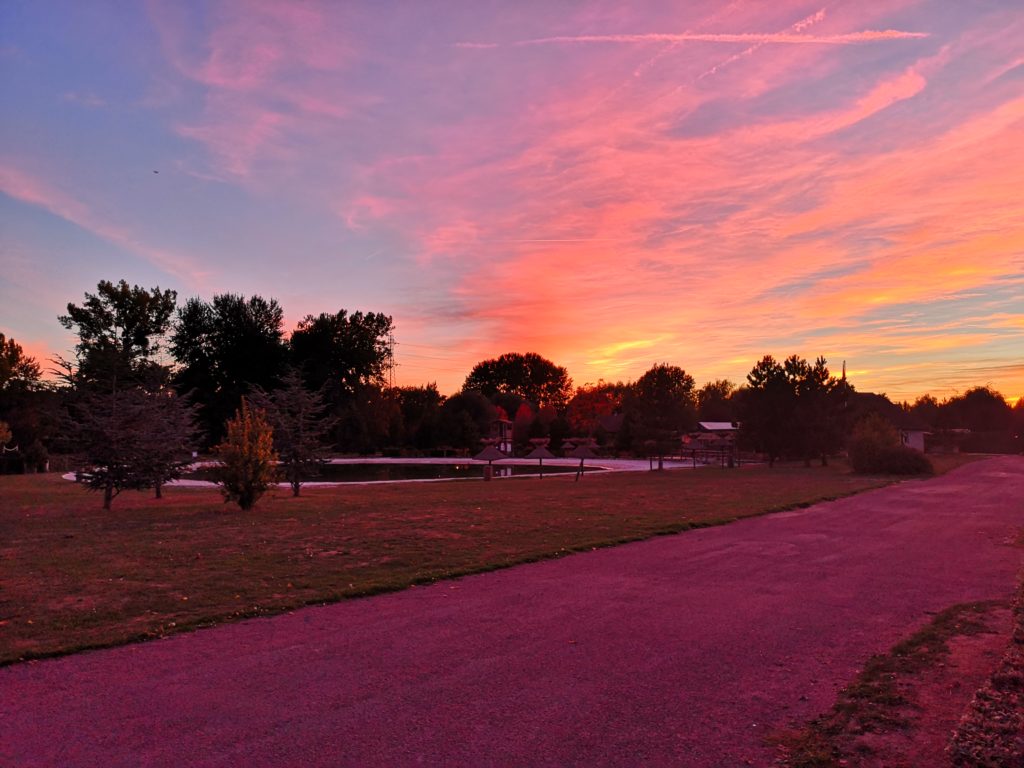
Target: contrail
{"type": "Point", "coordinates": [783, 38]}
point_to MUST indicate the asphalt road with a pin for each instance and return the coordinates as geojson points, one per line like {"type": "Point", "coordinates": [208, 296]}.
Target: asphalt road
{"type": "Point", "coordinates": [680, 651]}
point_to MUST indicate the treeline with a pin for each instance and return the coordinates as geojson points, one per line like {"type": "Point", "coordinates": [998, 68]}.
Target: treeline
{"type": "Point", "coordinates": [150, 380]}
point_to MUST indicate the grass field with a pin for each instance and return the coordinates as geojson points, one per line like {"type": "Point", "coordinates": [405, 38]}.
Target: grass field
{"type": "Point", "coordinates": [73, 576]}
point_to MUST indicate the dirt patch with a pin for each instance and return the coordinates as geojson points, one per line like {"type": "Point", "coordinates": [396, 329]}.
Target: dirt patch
{"type": "Point", "coordinates": [991, 732]}
{"type": "Point", "coordinates": [902, 709]}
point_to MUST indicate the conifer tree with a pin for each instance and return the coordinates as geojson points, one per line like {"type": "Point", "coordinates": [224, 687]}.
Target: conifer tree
{"type": "Point", "coordinates": [300, 428]}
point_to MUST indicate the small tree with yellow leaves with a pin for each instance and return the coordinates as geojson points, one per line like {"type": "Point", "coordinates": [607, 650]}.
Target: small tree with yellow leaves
{"type": "Point", "coordinates": [248, 461]}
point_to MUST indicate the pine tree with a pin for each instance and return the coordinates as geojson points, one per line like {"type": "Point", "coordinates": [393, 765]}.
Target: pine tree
{"type": "Point", "coordinates": [300, 428]}
{"type": "Point", "coordinates": [168, 439]}
{"type": "Point", "coordinates": [130, 439]}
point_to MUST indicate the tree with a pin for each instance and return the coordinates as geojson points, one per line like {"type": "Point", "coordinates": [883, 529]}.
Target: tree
{"type": "Point", "coordinates": [466, 418]}
{"type": "Point", "coordinates": [108, 428]}
{"type": "Point", "coordinates": [168, 439]}
{"type": "Point", "coordinates": [347, 356]}
{"type": "Point", "coordinates": [821, 405]}
{"type": "Point", "coordinates": [420, 409]}
{"type": "Point", "coordinates": [793, 408]}
{"type": "Point", "coordinates": [532, 377]}
{"type": "Point", "coordinates": [592, 403]}
{"type": "Point", "coordinates": [17, 370]}
{"type": "Point", "coordinates": [130, 439]}
{"type": "Point", "coordinates": [522, 425]}
{"type": "Point", "coordinates": [661, 405]}
{"type": "Point", "coordinates": [1017, 421]}
{"type": "Point", "coordinates": [714, 401]}
{"type": "Point", "coordinates": [248, 461]}
{"type": "Point", "coordinates": [979, 409]}
{"type": "Point", "coordinates": [766, 408]}
{"type": "Point", "coordinates": [120, 330]}
{"type": "Point", "coordinates": [300, 428]}
{"type": "Point", "coordinates": [926, 410]}
{"type": "Point", "coordinates": [225, 348]}
{"type": "Point", "coordinates": [28, 407]}
{"type": "Point", "coordinates": [342, 352]}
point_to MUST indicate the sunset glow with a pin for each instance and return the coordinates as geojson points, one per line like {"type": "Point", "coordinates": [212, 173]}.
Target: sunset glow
{"type": "Point", "coordinates": [610, 185]}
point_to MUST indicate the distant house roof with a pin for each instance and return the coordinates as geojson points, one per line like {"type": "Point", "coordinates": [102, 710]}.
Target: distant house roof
{"type": "Point", "coordinates": [717, 426]}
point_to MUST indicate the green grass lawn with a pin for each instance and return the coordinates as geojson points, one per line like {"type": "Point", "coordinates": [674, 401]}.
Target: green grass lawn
{"type": "Point", "coordinates": [73, 576]}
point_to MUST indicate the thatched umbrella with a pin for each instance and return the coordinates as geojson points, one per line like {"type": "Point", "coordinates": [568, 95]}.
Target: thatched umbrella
{"type": "Point", "coordinates": [582, 451]}
{"type": "Point", "coordinates": [540, 453]}
{"type": "Point", "coordinates": [489, 454]}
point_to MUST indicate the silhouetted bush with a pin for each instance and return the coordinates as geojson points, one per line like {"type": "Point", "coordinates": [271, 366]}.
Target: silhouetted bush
{"type": "Point", "coordinates": [875, 449]}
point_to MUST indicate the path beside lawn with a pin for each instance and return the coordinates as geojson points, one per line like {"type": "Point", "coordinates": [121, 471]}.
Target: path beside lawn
{"type": "Point", "coordinates": [682, 650]}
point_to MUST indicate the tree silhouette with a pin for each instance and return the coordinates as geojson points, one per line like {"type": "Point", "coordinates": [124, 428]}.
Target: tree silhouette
{"type": "Point", "coordinates": [530, 376]}
{"type": "Point", "coordinates": [120, 330]}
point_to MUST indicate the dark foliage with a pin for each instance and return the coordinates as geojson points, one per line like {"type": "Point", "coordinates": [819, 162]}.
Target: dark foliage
{"type": "Point", "coordinates": [340, 353]}
{"type": "Point", "coordinates": [714, 401]}
{"type": "Point", "coordinates": [530, 376]}
{"type": "Point", "coordinates": [120, 330]}
{"type": "Point", "coordinates": [465, 419]}
{"type": "Point", "coordinates": [420, 411]}
{"type": "Point", "coordinates": [794, 409]}
{"type": "Point", "coordinates": [129, 439]}
{"type": "Point", "coordinates": [300, 428]}
{"type": "Point", "coordinates": [660, 407]}
{"type": "Point", "coordinates": [874, 448]}
{"type": "Point", "coordinates": [225, 348]}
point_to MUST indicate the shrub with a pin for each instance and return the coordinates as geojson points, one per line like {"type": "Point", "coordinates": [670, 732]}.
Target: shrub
{"type": "Point", "coordinates": [875, 449]}
{"type": "Point", "coordinates": [248, 461]}
{"type": "Point", "coordinates": [903, 461]}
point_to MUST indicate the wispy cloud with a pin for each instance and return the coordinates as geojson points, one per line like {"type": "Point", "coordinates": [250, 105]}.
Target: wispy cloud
{"type": "Point", "coordinates": [32, 190]}
{"type": "Point", "coordinates": [84, 99]}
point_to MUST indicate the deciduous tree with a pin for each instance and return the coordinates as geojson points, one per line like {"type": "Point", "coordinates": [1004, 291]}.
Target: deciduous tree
{"type": "Point", "coordinates": [340, 352]}
{"type": "Point", "coordinates": [660, 406]}
{"type": "Point", "coordinates": [591, 403]}
{"type": "Point", "coordinates": [225, 348]}
{"type": "Point", "coordinates": [247, 458]}
{"type": "Point", "coordinates": [17, 370]}
{"type": "Point", "coordinates": [714, 401]}
{"type": "Point", "coordinates": [532, 377]}
{"type": "Point", "coordinates": [120, 329]}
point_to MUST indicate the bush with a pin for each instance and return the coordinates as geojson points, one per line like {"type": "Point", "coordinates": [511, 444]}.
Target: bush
{"type": "Point", "coordinates": [875, 449]}
{"type": "Point", "coordinates": [902, 461]}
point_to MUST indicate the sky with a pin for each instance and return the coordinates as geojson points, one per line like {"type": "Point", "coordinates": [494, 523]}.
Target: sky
{"type": "Point", "coordinates": [611, 185]}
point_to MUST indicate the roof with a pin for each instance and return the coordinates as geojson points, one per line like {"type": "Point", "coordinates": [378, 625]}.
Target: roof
{"type": "Point", "coordinates": [540, 452]}
{"type": "Point", "coordinates": [490, 453]}
{"type": "Point", "coordinates": [717, 426]}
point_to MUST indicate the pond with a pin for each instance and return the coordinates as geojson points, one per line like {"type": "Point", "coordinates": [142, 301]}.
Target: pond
{"type": "Point", "coordinates": [365, 472]}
